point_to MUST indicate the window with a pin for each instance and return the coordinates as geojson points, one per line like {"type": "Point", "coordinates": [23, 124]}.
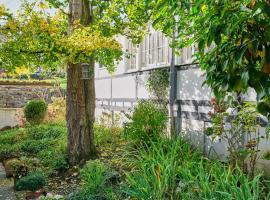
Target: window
{"type": "Point", "coordinates": [144, 52]}
{"type": "Point", "coordinates": [132, 50]}
{"type": "Point", "coordinates": [151, 49]}
{"type": "Point", "coordinates": [154, 50]}
{"type": "Point", "coordinates": [161, 48]}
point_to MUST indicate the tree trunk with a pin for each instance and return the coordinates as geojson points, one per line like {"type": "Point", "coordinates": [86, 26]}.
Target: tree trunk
{"type": "Point", "coordinates": [80, 97]}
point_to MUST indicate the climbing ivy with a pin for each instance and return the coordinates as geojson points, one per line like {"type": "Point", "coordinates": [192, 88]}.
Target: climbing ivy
{"type": "Point", "coordinates": [158, 85]}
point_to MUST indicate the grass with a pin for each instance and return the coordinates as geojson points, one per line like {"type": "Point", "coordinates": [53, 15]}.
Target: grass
{"type": "Point", "coordinates": [62, 82]}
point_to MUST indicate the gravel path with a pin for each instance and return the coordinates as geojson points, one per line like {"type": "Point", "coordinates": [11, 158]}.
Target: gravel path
{"type": "Point", "coordinates": [6, 186]}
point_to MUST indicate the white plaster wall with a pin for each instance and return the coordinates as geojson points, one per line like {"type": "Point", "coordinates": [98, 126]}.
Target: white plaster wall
{"type": "Point", "coordinates": [189, 85]}
{"type": "Point", "coordinates": [124, 87]}
{"type": "Point", "coordinates": [103, 88]}
{"type": "Point", "coordinates": [142, 88]}
{"type": "Point", "coordinates": [8, 117]}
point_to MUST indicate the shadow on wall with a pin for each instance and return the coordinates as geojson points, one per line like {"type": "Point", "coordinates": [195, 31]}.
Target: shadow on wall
{"type": "Point", "coordinates": [189, 85]}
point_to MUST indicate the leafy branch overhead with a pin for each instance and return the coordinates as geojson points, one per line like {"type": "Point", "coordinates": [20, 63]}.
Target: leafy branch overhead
{"type": "Point", "coordinates": [233, 38]}
{"type": "Point", "coordinates": [36, 37]}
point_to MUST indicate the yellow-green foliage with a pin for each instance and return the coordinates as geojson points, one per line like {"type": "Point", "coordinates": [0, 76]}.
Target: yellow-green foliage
{"type": "Point", "coordinates": [34, 37]}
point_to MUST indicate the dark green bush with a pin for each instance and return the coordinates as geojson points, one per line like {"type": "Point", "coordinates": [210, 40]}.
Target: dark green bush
{"type": "Point", "coordinates": [35, 111]}
{"type": "Point", "coordinates": [32, 181]}
{"type": "Point", "coordinates": [148, 122]}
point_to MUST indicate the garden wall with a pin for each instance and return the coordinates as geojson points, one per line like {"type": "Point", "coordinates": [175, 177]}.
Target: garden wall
{"type": "Point", "coordinates": [9, 117]}
{"type": "Point", "coordinates": [17, 96]}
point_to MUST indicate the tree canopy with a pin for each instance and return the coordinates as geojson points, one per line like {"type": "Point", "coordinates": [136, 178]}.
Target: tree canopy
{"type": "Point", "coordinates": [233, 38]}
{"type": "Point", "coordinates": [35, 37]}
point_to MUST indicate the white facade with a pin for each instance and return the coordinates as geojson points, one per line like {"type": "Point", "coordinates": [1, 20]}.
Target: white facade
{"type": "Point", "coordinates": [128, 84]}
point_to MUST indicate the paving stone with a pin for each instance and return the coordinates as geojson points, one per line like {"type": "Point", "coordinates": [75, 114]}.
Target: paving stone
{"type": "Point", "coordinates": [6, 186]}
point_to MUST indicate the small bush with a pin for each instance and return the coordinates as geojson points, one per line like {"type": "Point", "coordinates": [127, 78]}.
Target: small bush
{"type": "Point", "coordinates": [35, 111]}
{"type": "Point", "coordinates": [148, 122]}
{"type": "Point", "coordinates": [32, 181]}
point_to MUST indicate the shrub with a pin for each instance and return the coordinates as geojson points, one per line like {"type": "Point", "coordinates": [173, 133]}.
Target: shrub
{"type": "Point", "coordinates": [148, 122]}
{"type": "Point", "coordinates": [32, 181]}
{"type": "Point", "coordinates": [18, 168]}
{"type": "Point", "coordinates": [35, 111]}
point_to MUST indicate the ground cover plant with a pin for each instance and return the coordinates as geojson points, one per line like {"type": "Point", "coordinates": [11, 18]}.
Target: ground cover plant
{"type": "Point", "coordinates": [45, 141]}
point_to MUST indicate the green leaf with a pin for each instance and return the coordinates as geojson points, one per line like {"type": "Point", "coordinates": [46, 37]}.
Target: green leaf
{"type": "Point", "coordinates": [262, 108]}
{"type": "Point", "coordinates": [255, 45]}
{"type": "Point", "coordinates": [245, 77]}
{"type": "Point", "coordinates": [217, 38]}
{"type": "Point", "coordinates": [240, 54]}
{"type": "Point", "coordinates": [201, 45]}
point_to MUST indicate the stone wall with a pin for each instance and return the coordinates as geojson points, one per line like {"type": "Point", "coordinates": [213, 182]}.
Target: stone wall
{"type": "Point", "coordinates": [17, 96]}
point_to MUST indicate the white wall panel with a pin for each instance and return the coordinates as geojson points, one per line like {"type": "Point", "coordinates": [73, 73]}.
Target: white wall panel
{"type": "Point", "coordinates": [189, 85]}
{"type": "Point", "coordinates": [103, 88]}
{"type": "Point", "coordinates": [124, 87]}
{"type": "Point", "coordinates": [142, 89]}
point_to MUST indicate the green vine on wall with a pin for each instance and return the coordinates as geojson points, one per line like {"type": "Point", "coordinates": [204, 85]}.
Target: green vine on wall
{"type": "Point", "coordinates": [158, 85]}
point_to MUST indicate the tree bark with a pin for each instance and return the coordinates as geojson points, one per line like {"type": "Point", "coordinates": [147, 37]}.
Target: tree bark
{"type": "Point", "coordinates": [80, 97]}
